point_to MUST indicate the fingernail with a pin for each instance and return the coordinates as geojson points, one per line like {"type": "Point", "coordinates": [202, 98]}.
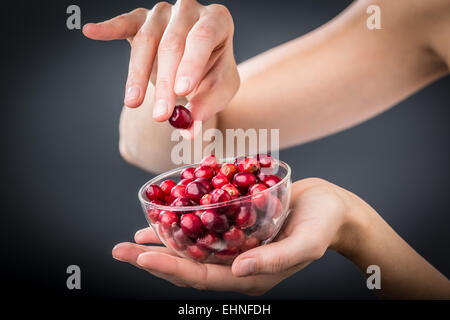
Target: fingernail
{"type": "Point", "coordinates": [246, 267]}
{"type": "Point", "coordinates": [182, 85]}
{"type": "Point", "coordinates": [138, 234]}
{"type": "Point", "coordinates": [160, 108]}
{"type": "Point", "coordinates": [132, 93]}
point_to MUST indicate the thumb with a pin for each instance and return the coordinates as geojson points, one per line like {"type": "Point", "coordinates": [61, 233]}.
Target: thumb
{"type": "Point", "coordinates": [279, 256]}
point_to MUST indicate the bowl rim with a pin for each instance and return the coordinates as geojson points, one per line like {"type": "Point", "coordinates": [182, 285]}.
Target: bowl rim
{"type": "Point", "coordinates": [205, 206]}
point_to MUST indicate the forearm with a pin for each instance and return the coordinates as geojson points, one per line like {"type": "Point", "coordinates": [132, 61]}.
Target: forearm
{"type": "Point", "coordinates": [404, 273]}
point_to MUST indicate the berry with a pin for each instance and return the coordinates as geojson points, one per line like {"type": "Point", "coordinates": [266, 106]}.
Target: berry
{"type": "Point", "coordinates": [154, 192]}
{"type": "Point", "coordinates": [206, 183]}
{"type": "Point", "coordinates": [181, 118]}
{"type": "Point", "coordinates": [197, 253]}
{"type": "Point", "coordinates": [265, 230]}
{"type": "Point", "coordinates": [259, 199]}
{"type": "Point", "coordinates": [185, 182]}
{"type": "Point", "coordinates": [191, 225]}
{"type": "Point", "coordinates": [234, 237]}
{"type": "Point", "coordinates": [167, 185]}
{"type": "Point", "coordinates": [274, 208]}
{"type": "Point", "coordinates": [209, 241]}
{"type": "Point", "coordinates": [265, 160]}
{"type": "Point", "coordinates": [249, 165]}
{"type": "Point", "coordinates": [204, 172]}
{"type": "Point", "coordinates": [153, 213]}
{"type": "Point", "coordinates": [250, 243]}
{"type": "Point", "coordinates": [179, 191]}
{"type": "Point", "coordinates": [246, 217]}
{"type": "Point", "coordinates": [181, 238]}
{"type": "Point", "coordinates": [206, 199]}
{"type": "Point", "coordinates": [214, 221]}
{"type": "Point", "coordinates": [187, 173]}
{"type": "Point", "coordinates": [243, 180]}
{"type": "Point", "coordinates": [232, 190]}
{"type": "Point", "coordinates": [210, 161]}
{"type": "Point", "coordinates": [228, 170]}
{"type": "Point", "coordinates": [168, 218]}
{"type": "Point", "coordinates": [219, 180]}
{"type": "Point", "coordinates": [227, 254]}
{"type": "Point", "coordinates": [270, 180]}
{"type": "Point", "coordinates": [181, 202]}
{"type": "Point", "coordinates": [195, 191]}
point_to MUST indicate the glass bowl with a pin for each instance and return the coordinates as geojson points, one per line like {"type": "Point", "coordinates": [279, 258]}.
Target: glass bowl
{"type": "Point", "coordinates": [244, 223]}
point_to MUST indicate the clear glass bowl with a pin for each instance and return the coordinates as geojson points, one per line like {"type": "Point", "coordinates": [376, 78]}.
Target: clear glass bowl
{"type": "Point", "coordinates": [267, 209]}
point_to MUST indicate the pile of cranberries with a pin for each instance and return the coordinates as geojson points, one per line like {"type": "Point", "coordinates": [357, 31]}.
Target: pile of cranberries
{"type": "Point", "coordinates": [237, 212]}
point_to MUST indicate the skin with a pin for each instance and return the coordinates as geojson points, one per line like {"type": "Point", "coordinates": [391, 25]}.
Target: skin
{"type": "Point", "coordinates": [322, 78]}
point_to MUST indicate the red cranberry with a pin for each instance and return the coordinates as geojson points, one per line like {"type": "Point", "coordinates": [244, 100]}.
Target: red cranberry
{"type": "Point", "coordinates": [234, 237]}
{"type": "Point", "coordinates": [191, 225]}
{"type": "Point", "coordinates": [274, 207]}
{"type": "Point", "coordinates": [246, 217]}
{"type": "Point", "coordinates": [259, 199]}
{"type": "Point", "coordinates": [168, 199]}
{"type": "Point", "coordinates": [250, 243]}
{"type": "Point", "coordinates": [210, 161]}
{"type": "Point", "coordinates": [209, 241]}
{"type": "Point", "coordinates": [168, 218]}
{"type": "Point", "coordinates": [231, 210]}
{"type": "Point", "coordinates": [219, 181]}
{"type": "Point", "coordinates": [181, 118]}
{"type": "Point", "coordinates": [181, 202]}
{"type": "Point", "coordinates": [214, 221]}
{"type": "Point", "coordinates": [204, 172]}
{"type": "Point", "coordinates": [179, 191]}
{"type": "Point", "coordinates": [219, 195]}
{"type": "Point", "coordinates": [206, 183]}
{"type": "Point", "coordinates": [265, 230]}
{"type": "Point", "coordinates": [195, 191]}
{"type": "Point", "coordinates": [185, 182]}
{"type": "Point", "coordinates": [198, 213]}
{"type": "Point", "coordinates": [164, 231]}
{"type": "Point", "coordinates": [187, 173]}
{"type": "Point", "coordinates": [181, 238]}
{"type": "Point", "coordinates": [228, 170]}
{"type": "Point", "coordinates": [243, 180]}
{"type": "Point", "coordinates": [153, 213]}
{"type": "Point", "coordinates": [167, 185]}
{"type": "Point", "coordinates": [154, 192]}
{"type": "Point", "coordinates": [270, 180]}
{"type": "Point", "coordinates": [206, 199]}
{"type": "Point", "coordinates": [197, 253]}
{"type": "Point", "coordinates": [265, 160]}
{"type": "Point", "coordinates": [232, 190]}
{"type": "Point", "coordinates": [250, 165]}
{"type": "Point", "coordinates": [227, 254]}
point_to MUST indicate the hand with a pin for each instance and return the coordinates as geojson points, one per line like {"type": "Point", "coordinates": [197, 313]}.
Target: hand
{"type": "Point", "coordinates": [321, 218]}
{"type": "Point", "coordinates": [186, 49]}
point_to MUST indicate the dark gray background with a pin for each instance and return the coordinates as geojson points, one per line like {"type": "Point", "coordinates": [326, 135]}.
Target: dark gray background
{"type": "Point", "coordinates": [68, 197]}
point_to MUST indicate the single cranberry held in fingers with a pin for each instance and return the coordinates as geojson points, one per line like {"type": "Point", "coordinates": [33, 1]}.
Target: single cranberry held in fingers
{"type": "Point", "coordinates": [191, 225]}
{"type": "Point", "coordinates": [167, 185]}
{"type": "Point", "coordinates": [219, 180]}
{"type": "Point", "coordinates": [181, 118]}
{"type": "Point", "coordinates": [187, 173]}
{"type": "Point", "coordinates": [250, 165]}
{"type": "Point", "coordinates": [214, 221]}
{"type": "Point", "coordinates": [154, 192]}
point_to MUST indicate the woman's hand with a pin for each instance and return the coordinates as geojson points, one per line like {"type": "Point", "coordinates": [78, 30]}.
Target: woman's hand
{"type": "Point", "coordinates": [186, 50]}
{"type": "Point", "coordinates": [320, 219]}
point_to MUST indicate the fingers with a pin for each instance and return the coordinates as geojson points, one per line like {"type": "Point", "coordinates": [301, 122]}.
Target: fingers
{"type": "Point", "coordinates": [143, 51]}
{"type": "Point", "coordinates": [129, 252]}
{"type": "Point", "coordinates": [170, 51]}
{"type": "Point", "coordinates": [120, 27]}
{"type": "Point", "coordinates": [146, 235]}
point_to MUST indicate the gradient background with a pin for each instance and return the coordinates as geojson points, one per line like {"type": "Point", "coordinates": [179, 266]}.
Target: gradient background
{"type": "Point", "coordinates": [68, 197]}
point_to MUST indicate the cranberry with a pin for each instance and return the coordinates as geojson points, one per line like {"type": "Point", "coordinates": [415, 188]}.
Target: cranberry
{"type": "Point", "coordinates": [206, 183]}
{"type": "Point", "coordinates": [230, 210]}
{"type": "Point", "coordinates": [168, 199]}
{"type": "Point", "coordinates": [265, 160]}
{"type": "Point", "coordinates": [195, 191]}
{"type": "Point", "coordinates": [181, 238]}
{"type": "Point", "coordinates": [219, 195]}
{"type": "Point", "coordinates": [214, 221]}
{"type": "Point", "coordinates": [259, 199]}
{"type": "Point", "coordinates": [181, 202]}
{"type": "Point", "coordinates": [209, 241]}
{"type": "Point", "coordinates": [204, 172]}
{"type": "Point", "coordinates": [219, 181]}
{"type": "Point", "coordinates": [250, 243]}
{"type": "Point", "coordinates": [234, 237]}
{"type": "Point", "coordinates": [246, 217]}
{"type": "Point", "coordinates": [179, 191]}
{"type": "Point", "coordinates": [198, 213]}
{"type": "Point", "coordinates": [227, 254]}
{"type": "Point", "coordinates": [185, 182]}
{"type": "Point", "coordinates": [191, 225]}
{"type": "Point", "coordinates": [153, 213]}
{"type": "Point", "coordinates": [187, 173]}
{"type": "Point", "coordinates": [167, 185]}
{"type": "Point", "coordinates": [168, 218]}
{"type": "Point", "coordinates": [270, 180]}
{"type": "Point", "coordinates": [164, 231]}
{"type": "Point", "coordinates": [206, 199]}
{"type": "Point", "coordinates": [232, 190]}
{"type": "Point", "coordinates": [154, 192]}
{"type": "Point", "coordinates": [197, 253]}
{"type": "Point", "coordinates": [243, 180]}
{"type": "Point", "coordinates": [181, 118]}
{"type": "Point", "coordinates": [274, 208]}
{"type": "Point", "coordinates": [228, 170]}
{"type": "Point", "coordinates": [265, 230]}
{"type": "Point", "coordinates": [250, 165]}
{"type": "Point", "coordinates": [210, 161]}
